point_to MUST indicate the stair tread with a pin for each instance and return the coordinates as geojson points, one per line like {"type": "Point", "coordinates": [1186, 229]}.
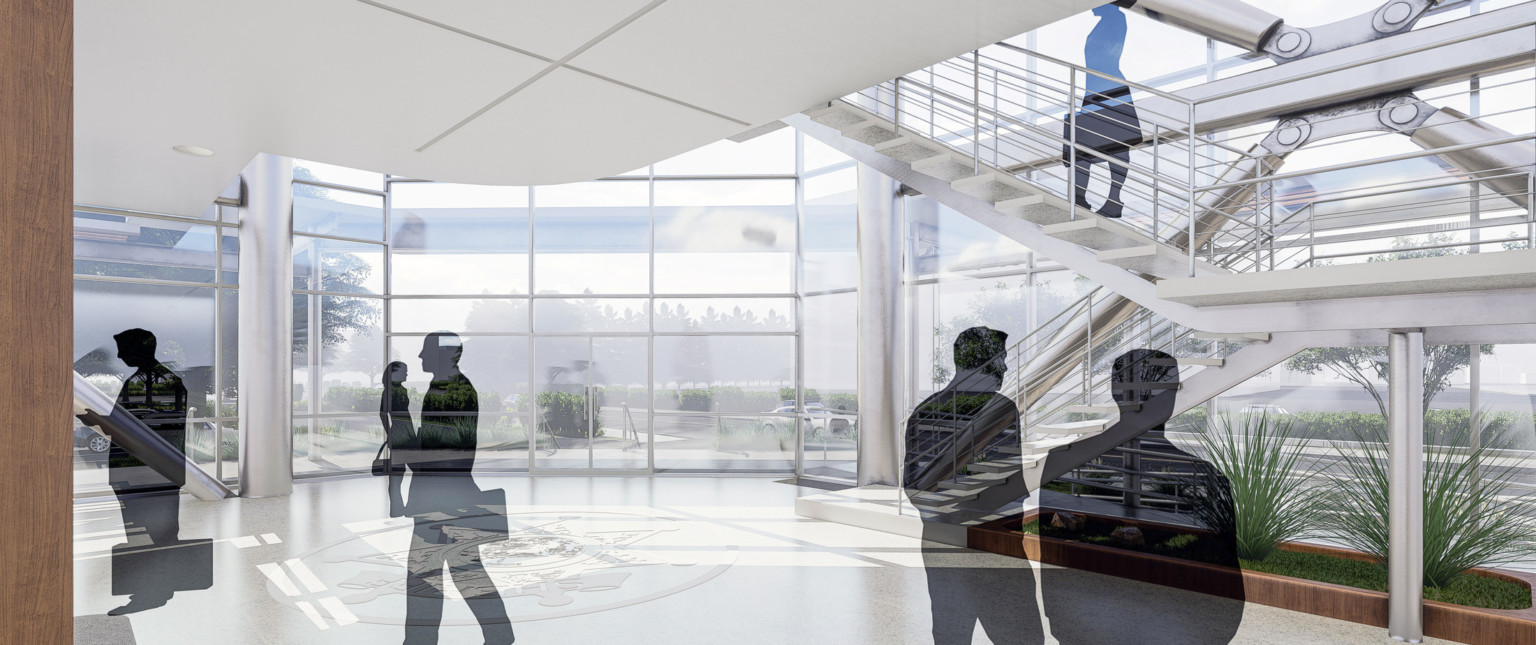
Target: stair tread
{"type": "Point", "coordinates": [1094, 232]}
{"type": "Point", "coordinates": [1217, 362]}
{"type": "Point", "coordinates": [1146, 385]}
{"type": "Point", "coordinates": [1158, 260]}
{"type": "Point", "coordinates": [1253, 336]}
{"type": "Point", "coordinates": [1072, 427]}
{"type": "Point", "coordinates": [1107, 408]}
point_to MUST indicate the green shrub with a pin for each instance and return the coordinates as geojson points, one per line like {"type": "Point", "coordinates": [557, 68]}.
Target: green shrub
{"type": "Point", "coordinates": [1468, 520]}
{"type": "Point", "coordinates": [727, 398]}
{"type": "Point", "coordinates": [339, 398]}
{"type": "Point", "coordinates": [565, 414]}
{"type": "Point", "coordinates": [1179, 541]}
{"type": "Point", "coordinates": [846, 402]}
{"type": "Point", "coordinates": [1255, 495]}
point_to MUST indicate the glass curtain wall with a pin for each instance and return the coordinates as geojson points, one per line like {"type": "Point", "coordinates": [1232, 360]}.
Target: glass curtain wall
{"type": "Point", "coordinates": [648, 321]}
{"type": "Point", "coordinates": [174, 278]}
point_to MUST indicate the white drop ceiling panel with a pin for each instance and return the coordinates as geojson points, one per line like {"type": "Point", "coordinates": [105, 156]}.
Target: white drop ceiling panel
{"type": "Point", "coordinates": [414, 88]}
{"type": "Point", "coordinates": [550, 28]}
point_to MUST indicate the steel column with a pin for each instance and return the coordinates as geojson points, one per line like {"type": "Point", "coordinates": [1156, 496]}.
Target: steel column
{"type": "Point", "coordinates": [266, 330]}
{"type": "Point", "coordinates": [1405, 449]}
{"type": "Point", "coordinates": [879, 329]}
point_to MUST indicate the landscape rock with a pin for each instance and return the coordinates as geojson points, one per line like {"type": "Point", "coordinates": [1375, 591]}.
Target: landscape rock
{"type": "Point", "coordinates": [1068, 521]}
{"type": "Point", "coordinates": [1128, 536]}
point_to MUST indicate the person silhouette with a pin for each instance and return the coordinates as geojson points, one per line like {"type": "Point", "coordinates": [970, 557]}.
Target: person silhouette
{"type": "Point", "coordinates": [1144, 383]}
{"type": "Point", "coordinates": [1107, 122]}
{"type": "Point", "coordinates": [450, 511]}
{"type": "Point", "coordinates": [399, 430]}
{"type": "Point", "coordinates": [151, 574]}
{"type": "Point", "coordinates": [966, 421]}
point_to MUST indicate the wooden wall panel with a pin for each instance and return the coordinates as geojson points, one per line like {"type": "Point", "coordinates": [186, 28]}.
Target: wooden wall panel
{"type": "Point", "coordinates": [36, 326]}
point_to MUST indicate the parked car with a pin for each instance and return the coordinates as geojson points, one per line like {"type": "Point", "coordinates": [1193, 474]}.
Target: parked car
{"type": "Point", "coordinates": [817, 418]}
{"type": "Point", "coordinates": [1269, 409]}
{"type": "Point", "coordinates": [90, 439]}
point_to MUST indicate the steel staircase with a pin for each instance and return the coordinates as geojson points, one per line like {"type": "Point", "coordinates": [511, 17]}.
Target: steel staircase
{"type": "Point", "coordinates": [990, 134]}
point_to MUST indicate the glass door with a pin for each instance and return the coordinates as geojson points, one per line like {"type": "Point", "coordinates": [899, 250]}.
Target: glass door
{"type": "Point", "coordinates": [591, 411]}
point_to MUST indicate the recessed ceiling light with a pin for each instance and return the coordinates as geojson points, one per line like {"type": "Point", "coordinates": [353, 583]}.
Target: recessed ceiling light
{"type": "Point", "coordinates": [196, 151]}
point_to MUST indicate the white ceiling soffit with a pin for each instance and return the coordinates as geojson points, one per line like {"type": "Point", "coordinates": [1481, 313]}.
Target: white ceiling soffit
{"type": "Point", "coordinates": [512, 92]}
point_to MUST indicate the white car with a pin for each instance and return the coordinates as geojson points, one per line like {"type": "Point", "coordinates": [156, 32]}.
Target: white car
{"type": "Point", "coordinates": [817, 418]}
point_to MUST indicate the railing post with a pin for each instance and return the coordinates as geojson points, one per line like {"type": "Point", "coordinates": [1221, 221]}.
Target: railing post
{"type": "Point", "coordinates": [1072, 146]}
{"type": "Point", "coordinates": [1191, 187]}
{"type": "Point", "coordinates": [1530, 211]}
{"type": "Point", "coordinates": [1088, 355]}
{"type": "Point", "coordinates": [1258, 234]}
{"type": "Point", "coordinates": [976, 112]}
{"type": "Point", "coordinates": [1132, 480]}
{"type": "Point", "coordinates": [1156, 183]}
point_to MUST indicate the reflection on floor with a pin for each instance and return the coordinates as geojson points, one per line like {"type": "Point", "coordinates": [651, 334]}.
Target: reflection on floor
{"type": "Point", "coordinates": [673, 560]}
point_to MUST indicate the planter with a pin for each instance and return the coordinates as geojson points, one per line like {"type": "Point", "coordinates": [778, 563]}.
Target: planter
{"type": "Point", "coordinates": [1441, 620]}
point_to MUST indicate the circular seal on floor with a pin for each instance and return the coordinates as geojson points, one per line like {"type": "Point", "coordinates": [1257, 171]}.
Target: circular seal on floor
{"type": "Point", "coordinates": [546, 563]}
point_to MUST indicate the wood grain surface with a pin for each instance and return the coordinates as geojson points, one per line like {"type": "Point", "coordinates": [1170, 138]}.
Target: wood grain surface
{"type": "Point", "coordinates": [36, 193]}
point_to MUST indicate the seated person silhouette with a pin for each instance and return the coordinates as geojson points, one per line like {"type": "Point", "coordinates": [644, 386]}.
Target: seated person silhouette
{"type": "Point", "coordinates": [967, 421]}
{"type": "Point", "coordinates": [151, 503]}
{"type": "Point", "coordinates": [1144, 383]}
{"type": "Point", "coordinates": [449, 509]}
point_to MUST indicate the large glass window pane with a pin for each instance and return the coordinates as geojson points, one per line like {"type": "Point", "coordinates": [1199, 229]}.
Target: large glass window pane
{"type": "Point", "coordinates": [830, 337]}
{"type": "Point", "coordinates": [560, 315]}
{"type": "Point", "coordinates": [144, 248]}
{"type": "Point", "coordinates": [229, 351]}
{"type": "Point", "coordinates": [459, 315]}
{"type": "Point", "coordinates": [339, 175]}
{"type": "Point", "coordinates": [830, 232]}
{"type": "Point", "coordinates": [336, 443]}
{"type": "Point", "coordinates": [770, 154]}
{"type": "Point", "coordinates": [729, 374]}
{"type": "Point", "coordinates": [229, 248]}
{"type": "Point", "coordinates": [337, 213]}
{"type": "Point", "coordinates": [725, 314]}
{"type": "Point", "coordinates": [592, 237]}
{"type": "Point", "coordinates": [180, 323]}
{"type": "Point", "coordinates": [819, 155]}
{"type": "Point", "coordinates": [498, 368]}
{"type": "Point", "coordinates": [458, 239]}
{"type": "Point", "coordinates": [321, 264]}
{"type": "Point", "coordinates": [338, 343]}
{"type": "Point", "coordinates": [724, 237]}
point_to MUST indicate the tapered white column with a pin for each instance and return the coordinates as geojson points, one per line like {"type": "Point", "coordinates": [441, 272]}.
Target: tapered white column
{"type": "Point", "coordinates": [266, 328]}
{"type": "Point", "coordinates": [1405, 450]}
{"type": "Point", "coordinates": [880, 343]}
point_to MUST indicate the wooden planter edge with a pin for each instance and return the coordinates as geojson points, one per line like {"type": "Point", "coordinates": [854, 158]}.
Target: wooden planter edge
{"type": "Point", "coordinates": [1441, 620]}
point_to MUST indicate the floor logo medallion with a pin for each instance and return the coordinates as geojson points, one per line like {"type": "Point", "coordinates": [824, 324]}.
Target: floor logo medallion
{"type": "Point", "coordinates": [551, 563]}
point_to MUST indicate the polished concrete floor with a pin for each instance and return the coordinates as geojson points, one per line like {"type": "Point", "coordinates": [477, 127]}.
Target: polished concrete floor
{"type": "Point", "coordinates": [674, 560]}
